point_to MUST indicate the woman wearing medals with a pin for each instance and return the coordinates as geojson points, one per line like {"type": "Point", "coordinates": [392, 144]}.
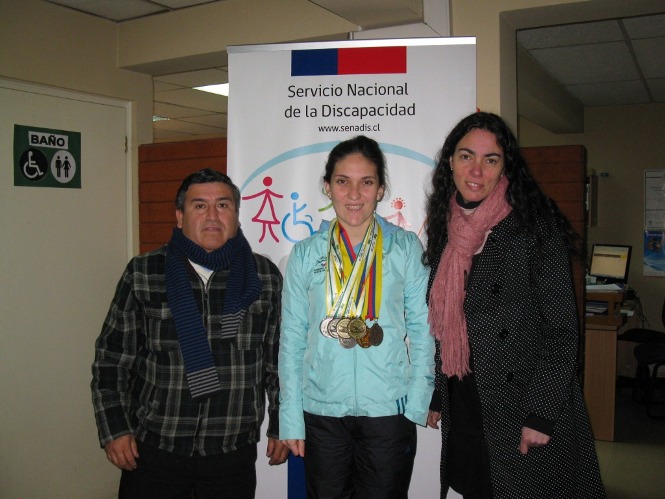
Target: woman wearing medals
{"type": "Point", "coordinates": [356, 359]}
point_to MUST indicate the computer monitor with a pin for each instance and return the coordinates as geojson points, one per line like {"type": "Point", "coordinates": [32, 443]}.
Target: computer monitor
{"type": "Point", "coordinates": [610, 263]}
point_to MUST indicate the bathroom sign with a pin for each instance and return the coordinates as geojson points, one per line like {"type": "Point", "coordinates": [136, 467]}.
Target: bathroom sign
{"type": "Point", "coordinates": [44, 157]}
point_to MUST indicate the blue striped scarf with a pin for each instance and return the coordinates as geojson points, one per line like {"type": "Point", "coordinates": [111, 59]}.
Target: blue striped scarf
{"type": "Point", "coordinates": [243, 287]}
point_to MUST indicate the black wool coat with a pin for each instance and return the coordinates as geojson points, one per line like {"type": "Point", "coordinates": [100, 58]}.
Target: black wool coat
{"type": "Point", "coordinates": [523, 332]}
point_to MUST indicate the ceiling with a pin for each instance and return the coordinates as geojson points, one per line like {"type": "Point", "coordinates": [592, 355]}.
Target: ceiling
{"type": "Point", "coordinates": [609, 62]}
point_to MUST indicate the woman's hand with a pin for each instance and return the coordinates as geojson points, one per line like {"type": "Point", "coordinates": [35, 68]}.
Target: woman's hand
{"type": "Point", "coordinates": [433, 419]}
{"type": "Point", "coordinates": [532, 438]}
{"type": "Point", "coordinates": [297, 447]}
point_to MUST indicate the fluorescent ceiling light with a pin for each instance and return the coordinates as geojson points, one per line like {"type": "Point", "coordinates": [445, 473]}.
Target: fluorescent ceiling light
{"type": "Point", "coordinates": [221, 89]}
{"type": "Point", "coordinates": [160, 118]}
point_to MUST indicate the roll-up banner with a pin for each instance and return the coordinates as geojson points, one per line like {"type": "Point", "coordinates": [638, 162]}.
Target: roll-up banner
{"type": "Point", "coordinates": [290, 104]}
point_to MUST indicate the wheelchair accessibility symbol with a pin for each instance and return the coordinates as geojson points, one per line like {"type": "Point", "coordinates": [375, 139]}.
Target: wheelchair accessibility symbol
{"type": "Point", "coordinates": [34, 165]}
{"type": "Point", "coordinates": [290, 229]}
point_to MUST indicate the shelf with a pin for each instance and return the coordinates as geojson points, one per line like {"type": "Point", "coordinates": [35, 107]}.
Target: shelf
{"type": "Point", "coordinates": [613, 316]}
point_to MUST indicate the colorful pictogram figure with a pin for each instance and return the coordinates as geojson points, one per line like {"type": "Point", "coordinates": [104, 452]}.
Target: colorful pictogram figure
{"type": "Point", "coordinates": [287, 226]}
{"type": "Point", "coordinates": [401, 221]}
{"type": "Point", "coordinates": [266, 214]}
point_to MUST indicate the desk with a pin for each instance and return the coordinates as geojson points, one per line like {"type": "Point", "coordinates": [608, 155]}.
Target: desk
{"type": "Point", "coordinates": [600, 368]}
{"type": "Point", "coordinates": [600, 365]}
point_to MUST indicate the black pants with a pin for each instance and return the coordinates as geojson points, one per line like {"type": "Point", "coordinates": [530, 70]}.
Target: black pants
{"type": "Point", "coordinates": [359, 457]}
{"type": "Point", "coordinates": [467, 459]}
{"type": "Point", "coordinates": [164, 475]}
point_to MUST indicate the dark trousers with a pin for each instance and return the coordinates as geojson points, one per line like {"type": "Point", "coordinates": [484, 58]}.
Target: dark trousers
{"type": "Point", "coordinates": [164, 475]}
{"type": "Point", "coordinates": [467, 459]}
{"type": "Point", "coordinates": [359, 457]}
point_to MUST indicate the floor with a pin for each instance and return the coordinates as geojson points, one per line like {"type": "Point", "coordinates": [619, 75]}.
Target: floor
{"type": "Point", "coordinates": [633, 466]}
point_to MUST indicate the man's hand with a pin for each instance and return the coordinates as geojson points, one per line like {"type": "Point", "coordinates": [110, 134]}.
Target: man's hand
{"type": "Point", "coordinates": [123, 452]}
{"type": "Point", "coordinates": [277, 451]}
{"type": "Point", "coordinates": [433, 419]}
{"type": "Point", "coordinates": [297, 447]}
{"type": "Point", "coordinates": [532, 438]}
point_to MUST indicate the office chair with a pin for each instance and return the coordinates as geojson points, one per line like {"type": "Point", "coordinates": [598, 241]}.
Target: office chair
{"type": "Point", "coordinates": [649, 351]}
{"type": "Point", "coordinates": [650, 354]}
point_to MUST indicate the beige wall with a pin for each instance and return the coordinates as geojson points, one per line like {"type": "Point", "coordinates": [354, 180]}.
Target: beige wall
{"type": "Point", "coordinates": [48, 443]}
{"type": "Point", "coordinates": [621, 141]}
{"type": "Point", "coordinates": [496, 66]}
{"type": "Point", "coordinates": [623, 151]}
{"type": "Point", "coordinates": [46, 44]}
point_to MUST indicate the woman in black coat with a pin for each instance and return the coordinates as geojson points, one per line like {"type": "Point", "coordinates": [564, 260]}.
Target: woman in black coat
{"type": "Point", "coordinates": [502, 308]}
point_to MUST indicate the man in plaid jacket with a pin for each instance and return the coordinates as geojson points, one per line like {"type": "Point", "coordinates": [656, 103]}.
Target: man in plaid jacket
{"type": "Point", "coordinates": [188, 353]}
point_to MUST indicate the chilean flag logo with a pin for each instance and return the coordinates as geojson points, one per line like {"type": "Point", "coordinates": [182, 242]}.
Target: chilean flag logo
{"type": "Point", "coordinates": [348, 61]}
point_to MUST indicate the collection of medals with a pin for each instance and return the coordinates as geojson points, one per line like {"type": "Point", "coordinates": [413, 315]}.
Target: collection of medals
{"type": "Point", "coordinates": [352, 331]}
{"type": "Point", "coordinates": [356, 296]}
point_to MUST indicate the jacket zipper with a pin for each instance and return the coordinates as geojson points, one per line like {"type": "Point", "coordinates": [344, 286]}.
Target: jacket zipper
{"type": "Point", "coordinates": [205, 312]}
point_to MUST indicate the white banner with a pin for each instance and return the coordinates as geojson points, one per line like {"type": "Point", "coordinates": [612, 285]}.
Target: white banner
{"type": "Point", "coordinates": [290, 104]}
{"type": "Point", "coordinates": [285, 116]}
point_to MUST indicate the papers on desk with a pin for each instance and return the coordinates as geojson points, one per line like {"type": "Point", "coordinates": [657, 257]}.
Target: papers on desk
{"type": "Point", "coordinates": [596, 307]}
{"type": "Point", "coordinates": [603, 287]}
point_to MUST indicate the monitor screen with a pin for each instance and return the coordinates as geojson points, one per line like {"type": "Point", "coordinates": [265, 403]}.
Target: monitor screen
{"type": "Point", "coordinates": [610, 262]}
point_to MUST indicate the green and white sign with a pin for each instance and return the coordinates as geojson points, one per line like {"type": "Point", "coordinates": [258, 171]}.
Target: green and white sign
{"type": "Point", "coordinates": [46, 158]}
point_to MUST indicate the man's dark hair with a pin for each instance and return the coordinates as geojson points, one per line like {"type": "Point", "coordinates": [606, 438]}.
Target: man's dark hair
{"type": "Point", "coordinates": [205, 176]}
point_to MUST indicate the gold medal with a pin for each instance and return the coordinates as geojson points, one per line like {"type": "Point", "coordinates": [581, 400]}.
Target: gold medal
{"type": "Point", "coordinates": [357, 328]}
{"type": "Point", "coordinates": [343, 328]}
{"type": "Point", "coordinates": [376, 334]}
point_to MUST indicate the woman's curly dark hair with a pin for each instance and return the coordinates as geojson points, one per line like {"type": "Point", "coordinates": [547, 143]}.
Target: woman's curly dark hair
{"type": "Point", "coordinates": [528, 201]}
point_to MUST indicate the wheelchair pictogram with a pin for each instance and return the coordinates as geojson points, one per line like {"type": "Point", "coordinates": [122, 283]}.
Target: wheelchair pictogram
{"type": "Point", "coordinates": [34, 164]}
{"type": "Point", "coordinates": [290, 222]}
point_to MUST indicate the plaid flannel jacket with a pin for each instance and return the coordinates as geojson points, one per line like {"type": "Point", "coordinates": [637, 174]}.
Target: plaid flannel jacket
{"type": "Point", "coordinates": [139, 384]}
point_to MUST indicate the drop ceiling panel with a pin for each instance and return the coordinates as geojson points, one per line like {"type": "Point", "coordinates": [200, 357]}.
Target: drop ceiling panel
{"type": "Point", "coordinates": [645, 26]}
{"type": "Point", "coordinates": [571, 34]}
{"type": "Point", "coordinates": [375, 13]}
{"type": "Point", "coordinates": [179, 4]}
{"type": "Point", "coordinates": [608, 94]}
{"type": "Point", "coordinates": [657, 88]}
{"type": "Point", "coordinates": [588, 63]}
{"type": "Point", "coordinates": [160, 86]}
{"type": "Point", "coordinates": [172, 111]}
{"type": "Point", "coordinates": [113, 9]}
{"type": "Point", "coordinates": [196, 99]}
{"type": "Point", "coordinates": [650, 54]}
{"type": "Point", "coordinates": [185, 127]}
{"type": "Point", "coordinates": [196, 78]}
{"type": "Point", "coordinates": [216, 120]}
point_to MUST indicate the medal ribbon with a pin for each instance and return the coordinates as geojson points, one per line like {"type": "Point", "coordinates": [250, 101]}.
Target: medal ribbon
{"type": "Point", "coordinates": [353, 287]}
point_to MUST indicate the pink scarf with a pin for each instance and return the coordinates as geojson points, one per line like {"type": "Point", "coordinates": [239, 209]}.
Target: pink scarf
{"type": "Point", "coordinates": [466, 236]}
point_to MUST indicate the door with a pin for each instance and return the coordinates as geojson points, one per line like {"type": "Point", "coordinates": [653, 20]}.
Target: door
{"type": "Point", "coordinates": [561, 173]}
{"type": "Point", "coordinates": [63, 251]}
